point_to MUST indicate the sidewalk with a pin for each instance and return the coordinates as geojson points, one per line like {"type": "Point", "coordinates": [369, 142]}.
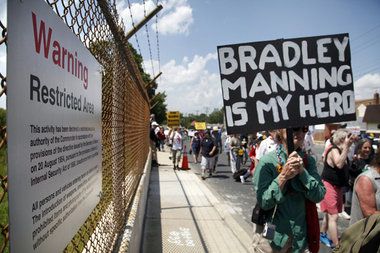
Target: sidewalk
{"type": "Point", "coordinates": [183, 215]}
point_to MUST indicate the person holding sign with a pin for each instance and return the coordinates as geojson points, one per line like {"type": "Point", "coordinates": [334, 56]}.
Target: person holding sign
{"type": "Point", "coordinates": [282, 184]}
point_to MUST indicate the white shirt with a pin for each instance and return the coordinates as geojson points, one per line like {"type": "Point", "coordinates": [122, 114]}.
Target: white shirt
{"type": "Point", "coordinates": [177, 141]}
{"type": "Point", "coordinates": [227, 144]}
{"type": "Point", "coordinates": [309, 141]}
{"type": "Point", "coordinates": [265, 147]}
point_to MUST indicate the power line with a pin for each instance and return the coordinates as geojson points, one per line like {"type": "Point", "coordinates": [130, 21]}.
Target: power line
{"type": "Point", "coordinates": [366, 45]}
{"type": "Point", "coordinates": [370, 30]}
{"type": "Point", "coordinates": [367, 72]}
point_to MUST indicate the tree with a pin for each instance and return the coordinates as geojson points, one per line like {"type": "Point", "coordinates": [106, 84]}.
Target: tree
{"type": "Point", "coordinates": [159, 108]}
{"type": "Point", "coordinates": [216, 116]}
{"type": "Point", "coordinates": [3, 117]}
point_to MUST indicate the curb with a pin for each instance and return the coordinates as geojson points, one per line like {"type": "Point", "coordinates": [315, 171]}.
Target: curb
{"type": "Point", "coordinates": [130, 238]}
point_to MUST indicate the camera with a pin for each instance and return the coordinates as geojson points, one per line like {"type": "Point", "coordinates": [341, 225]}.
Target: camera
{"type": "Point", "coordinates": [269, 230]}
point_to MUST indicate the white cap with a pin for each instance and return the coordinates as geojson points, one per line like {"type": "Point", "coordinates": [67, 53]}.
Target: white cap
{"type": "Point", "coordinates": [154, 123]}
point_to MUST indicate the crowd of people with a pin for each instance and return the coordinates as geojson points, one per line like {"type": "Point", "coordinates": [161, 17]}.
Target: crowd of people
{"type": "Point", "coordinates": [284, 180]}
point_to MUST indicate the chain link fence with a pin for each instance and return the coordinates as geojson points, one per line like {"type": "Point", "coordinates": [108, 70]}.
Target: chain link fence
{"type": "Point", "coordinates": [125, 122]}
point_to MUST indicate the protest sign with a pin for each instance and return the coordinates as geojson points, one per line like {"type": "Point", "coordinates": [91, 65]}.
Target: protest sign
{"type": "Point", "coordinates": [287, 83]}
{"type": "Point", "coordinates": [200, 125]}
{"type": "Point", "coordinates": [172, 118]}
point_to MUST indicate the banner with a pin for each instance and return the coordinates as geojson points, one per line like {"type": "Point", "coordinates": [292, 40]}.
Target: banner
{"type": "Point", "coordinates": [287, 83]}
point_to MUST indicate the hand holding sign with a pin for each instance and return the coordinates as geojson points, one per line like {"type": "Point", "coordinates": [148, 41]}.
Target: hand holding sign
{"type": "Point", "coordinates": [293, 166]}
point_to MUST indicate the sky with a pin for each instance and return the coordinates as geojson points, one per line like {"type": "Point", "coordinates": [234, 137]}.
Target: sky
{"type": "Point", "coordinates": [181, 42]}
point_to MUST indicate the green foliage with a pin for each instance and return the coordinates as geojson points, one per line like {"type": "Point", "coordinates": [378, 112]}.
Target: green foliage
{"type": "Point", "coordinates": [3, 117]}
{"type": "Point", "coordinates": [158, 103]}
{"type": "Point", "coordinates": [216, 117]}
{"type": "Point", "coordinates": [4, 202]}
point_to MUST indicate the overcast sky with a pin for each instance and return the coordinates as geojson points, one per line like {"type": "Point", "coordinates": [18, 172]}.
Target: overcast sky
{"type": "Point", "coordinates": [189, 32]}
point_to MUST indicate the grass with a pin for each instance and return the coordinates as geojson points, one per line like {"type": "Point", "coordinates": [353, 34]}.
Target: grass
{"type": "Point", "coordinates": [4, 202]}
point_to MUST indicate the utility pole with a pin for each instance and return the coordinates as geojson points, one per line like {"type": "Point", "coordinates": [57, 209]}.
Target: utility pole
{"type": "Point", "coordinates": [206, 109]}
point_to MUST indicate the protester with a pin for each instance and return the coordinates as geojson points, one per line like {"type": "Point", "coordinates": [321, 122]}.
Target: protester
{"type": "Point", "coordinates": [361, 160]}
{"type": "Point", "coordinates": [244, 146]}
{"type": "Point", "coordinates": [334, 177]}
{"type": "Point", "coordinates": [328, 143]}
{"type": "Point", "coordinates": [309, 142]}
{"type": "Point", "coordinates": [208, 149]}
{"type": "Point", "coordinates": [366, 197]}
{"type": "Point", "coordinates": [161, 136]}
{"type": "Point", "coordinates": [252, 156]}
{"type": "Point", "coordinates": [195, 146]}
{"type": "Point", "coordinates": [227, 148]}
{"type": "Point", "coordinates": [177, 147]}
{"type": "Point", "coordinates": [152, 119]}
{"type": "Point", "coordinates": [169, 141]}
{"type": "Point", "coordinates": [154, 141]}
{"type": "Point", "coordinates": [235, 158]}
{"type": "Point", "coordinates": [282, 183]}
{"type": "Point", "coordinates": [218, 143]}
{"type": "Point", "coordinates": [267, 145]}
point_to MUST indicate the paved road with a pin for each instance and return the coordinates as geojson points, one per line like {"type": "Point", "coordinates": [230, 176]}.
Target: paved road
{"type": "Point", "coordinates": [242, 196]}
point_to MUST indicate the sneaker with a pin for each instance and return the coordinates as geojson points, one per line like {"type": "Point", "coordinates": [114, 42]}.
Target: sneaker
{"type": "Point", "coordinates": [242, 179]}
{"type": "Point", "coordinates": [326, 241]}
{"type": "Point", "coordinates": [344, 215]}
{"type": "Point", "coordinates": [178, 167]}
{"type": "Point", "coordinates": [203, 177]}
{"type": "Point", "coordinates": [170, 157]}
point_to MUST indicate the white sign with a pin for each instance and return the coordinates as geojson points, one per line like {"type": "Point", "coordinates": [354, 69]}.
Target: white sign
{"type": "Point", "coordinates": [53, 129]}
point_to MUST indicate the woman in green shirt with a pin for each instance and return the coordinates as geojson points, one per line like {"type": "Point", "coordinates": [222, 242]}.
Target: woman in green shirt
{"type": "Point", "coordinates": [282, 181]}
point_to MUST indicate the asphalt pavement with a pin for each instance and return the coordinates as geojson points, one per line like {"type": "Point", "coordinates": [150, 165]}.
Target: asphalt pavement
{"type": "Point", "coordinates": [242, 198]}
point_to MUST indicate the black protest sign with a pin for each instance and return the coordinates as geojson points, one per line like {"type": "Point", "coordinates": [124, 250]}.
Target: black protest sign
{"type": "Point", "coordinates": [287, 83]}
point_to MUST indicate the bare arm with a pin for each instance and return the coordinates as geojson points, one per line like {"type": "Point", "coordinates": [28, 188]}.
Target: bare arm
{"type": "Point", "coordinates": [366, 194]}
{"type": "Point", "coordinates": [334, 159]}
{"type": "Point", "coordinates": [213, 150]}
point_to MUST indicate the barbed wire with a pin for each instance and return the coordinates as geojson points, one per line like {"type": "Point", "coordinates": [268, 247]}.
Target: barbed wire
{"type": "Point", "coordinates": [149, 46]}
{"type": "Point", "coordinates": [137, 40]}
{"type": "Point", "coordinates": [158, 44]}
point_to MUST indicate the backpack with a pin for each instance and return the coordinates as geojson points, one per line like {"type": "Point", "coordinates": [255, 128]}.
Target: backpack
{"type": "Point", "coordinates": [362, 236]}
{"type": "Point", "coordinates": [239, 173]}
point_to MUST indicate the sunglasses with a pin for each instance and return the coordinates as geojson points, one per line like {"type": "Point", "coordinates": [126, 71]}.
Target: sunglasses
{"type": "Point", "coordinates": [303, 129]}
